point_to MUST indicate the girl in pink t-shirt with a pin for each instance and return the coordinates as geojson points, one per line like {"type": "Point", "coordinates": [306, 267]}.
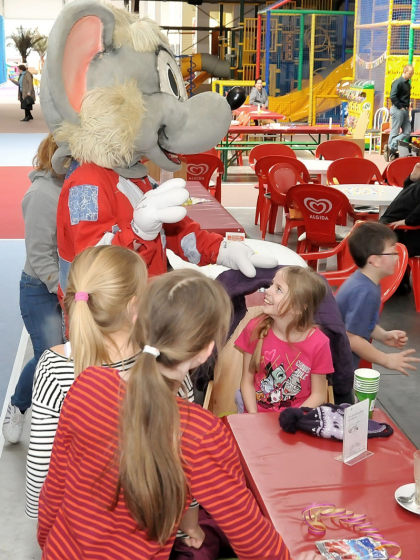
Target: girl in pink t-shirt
{"type": "Point", "coordinates": [286, 356]}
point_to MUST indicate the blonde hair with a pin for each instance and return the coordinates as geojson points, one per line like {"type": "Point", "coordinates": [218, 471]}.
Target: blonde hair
{"type": "Point", "coordinates": [111, 276]}
{"type": "Point", "coordinates": [46, 150]}
{"type": "Point", "coordinates": [180, 314]}
{"type": "Point", "coordinates": [306, 290]}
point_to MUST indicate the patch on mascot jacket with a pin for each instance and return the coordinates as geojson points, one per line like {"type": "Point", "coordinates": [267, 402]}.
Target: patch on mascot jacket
{"type": "Point", "coordinates": [83, 204]}
{"type": "Point", "coordinates": [189, 247]}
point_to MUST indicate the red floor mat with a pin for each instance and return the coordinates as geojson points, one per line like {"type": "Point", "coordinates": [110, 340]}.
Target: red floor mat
{"type": "Point", "coordinates": [14, 183]}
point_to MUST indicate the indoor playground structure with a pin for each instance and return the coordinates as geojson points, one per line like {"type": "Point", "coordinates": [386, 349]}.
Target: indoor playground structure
{"type": "Point", "coordinates": [387, 37]}
{"type": "Point", "coordinates": [306, 52]}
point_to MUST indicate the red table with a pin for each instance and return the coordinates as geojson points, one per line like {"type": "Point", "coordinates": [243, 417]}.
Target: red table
{"type": "Point", "coordinates": [210, 215]}
{"type": "Point", "coordinates": [288, 472]}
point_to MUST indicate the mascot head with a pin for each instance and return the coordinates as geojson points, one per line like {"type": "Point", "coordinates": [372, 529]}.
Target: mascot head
{"type": "Point", "coordinates": [112, 92]}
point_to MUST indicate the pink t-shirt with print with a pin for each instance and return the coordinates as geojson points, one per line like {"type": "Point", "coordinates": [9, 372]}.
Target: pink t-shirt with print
{"type": "Point", "coordinates": [284, 377]}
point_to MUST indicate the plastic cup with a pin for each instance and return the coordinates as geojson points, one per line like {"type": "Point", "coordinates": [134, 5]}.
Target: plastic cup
{"type": "Point", "coordinates": [417, 476]}
{"type": "Point", "coordinates": [366, 386]}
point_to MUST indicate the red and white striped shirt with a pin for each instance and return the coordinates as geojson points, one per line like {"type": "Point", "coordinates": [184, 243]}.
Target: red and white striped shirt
{"type": "Point", "coordinates": [74, 520]}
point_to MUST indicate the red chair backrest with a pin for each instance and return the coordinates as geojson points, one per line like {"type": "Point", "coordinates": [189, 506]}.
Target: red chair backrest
{"type": "Point", "coordinates": [299, 166]}
{"type": "Point", "coordinates": [264, 150]}
{"type": "Point", "coordinates": [337, 149]}
{"type": "Point", "coordinates": [353, 170]}
{"type": "Point", "coordinates": [320, 207]}
{"type": "Point", "coordinates": [200, 167]}
{"type": "Point", "coordinates": [399, 169]}
{"type": "Point", "coordinates": [390, 283]}
{"type": "Point", "coordinates": [281, 177]}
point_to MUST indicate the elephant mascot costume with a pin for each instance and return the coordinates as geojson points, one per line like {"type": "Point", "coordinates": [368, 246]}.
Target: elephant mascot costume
{"type": "Point", "coordinates": [113, 95]}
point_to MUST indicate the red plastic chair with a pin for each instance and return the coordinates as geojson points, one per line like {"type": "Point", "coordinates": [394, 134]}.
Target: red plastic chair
{"type": "Point", "coordinates": [281, 177]}
{"type": "Point", "coordinates": [262, 167]}
{"type": "Point", "coordinates": [398, 170]}
{"type": "Point", "coordinates": [345, 264]}
{"type": "Point", "coordinates": [264, 150]}
{"type": "Point", "coordinates": [337, 149]}
{"type": "Point", "coordinates": [320, 207]}
{"type": "Point", "coordinates": [353, 170]}
{"type": "Point", "coordinates": [200, 167]}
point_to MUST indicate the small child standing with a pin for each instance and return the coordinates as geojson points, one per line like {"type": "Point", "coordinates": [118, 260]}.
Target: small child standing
{"type": "Point", "coordinates": [372, 246]}
{"type": "Point", "coordinates": [286, 356]}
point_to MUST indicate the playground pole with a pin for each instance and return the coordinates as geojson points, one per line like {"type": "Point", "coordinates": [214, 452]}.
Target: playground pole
{"type": "Point", "coordinates": [301, 46]}
{"type": "Point", "coordinates": [311, 72]}
{"type": "Point", "coordinates": [233, 52]}
{"type": "Point", "coordinates": [267, 50]}
{"type": "Point", "coordinates": [343, 52]}
{"type": "Point", "coordinates": [258, 61]}
{"type": "Point", "coordinates": [411, 36]}
{"type": "Point", "coordinates": [221, 34]}
{"type": "Point", "coordinates": [241, 38]}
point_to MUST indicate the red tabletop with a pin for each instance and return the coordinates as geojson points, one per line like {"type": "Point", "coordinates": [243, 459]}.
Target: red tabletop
{"type": "Point", "coordinates": [289, 130]}
{"type": "Point", "coordinates": [210, 215]}
{"type": "Point", "coordinates": [288, 472]}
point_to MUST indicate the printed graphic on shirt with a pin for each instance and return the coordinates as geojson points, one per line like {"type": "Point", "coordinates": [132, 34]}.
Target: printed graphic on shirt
{"type": "Point", "coordinates": [83, 204]}
{"type": "Point", "coordinates": [283, 380]}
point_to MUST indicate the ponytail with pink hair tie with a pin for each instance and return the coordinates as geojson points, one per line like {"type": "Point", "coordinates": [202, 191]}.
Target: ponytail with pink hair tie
{"type": "Point", "coordinates": [81, 296]}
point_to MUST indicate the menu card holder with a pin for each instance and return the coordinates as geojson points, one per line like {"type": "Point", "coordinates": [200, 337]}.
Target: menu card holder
{"type": "Point", "coordinates": [355, 434]}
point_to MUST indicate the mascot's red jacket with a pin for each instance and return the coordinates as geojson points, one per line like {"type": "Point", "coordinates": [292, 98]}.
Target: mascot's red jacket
{"type": "Point", "coordinates": [96, 207]}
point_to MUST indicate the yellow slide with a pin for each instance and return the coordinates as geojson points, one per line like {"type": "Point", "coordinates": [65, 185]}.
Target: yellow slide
{"type": "Point", "coordinates": [295, 105]}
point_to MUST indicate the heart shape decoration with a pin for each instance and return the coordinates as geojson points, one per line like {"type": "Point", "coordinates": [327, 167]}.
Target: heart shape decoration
{"type": "Point", "coordinates": [197, 170]}
{"type": "Point", "coordinates": [270, 355]}
{"type": "Point", "coordinates": [320, 206]}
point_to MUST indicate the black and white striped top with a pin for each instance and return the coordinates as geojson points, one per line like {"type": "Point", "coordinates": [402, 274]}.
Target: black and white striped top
{"type": "Point", "coordinates": [53, 378]}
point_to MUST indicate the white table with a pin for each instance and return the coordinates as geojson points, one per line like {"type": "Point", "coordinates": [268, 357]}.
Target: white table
{"type": "Point", "coordinates": [370, 195]}
{"type": "Point", "coordinates": [317, 167]}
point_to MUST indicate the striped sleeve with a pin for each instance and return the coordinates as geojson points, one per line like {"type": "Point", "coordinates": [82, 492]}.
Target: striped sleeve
{"type": "Point", "coordinates": [53, 378]}
{"type": "Point", "coordinates": [218, 483]}
{"type": "Point", "coordinates": [52, 492]}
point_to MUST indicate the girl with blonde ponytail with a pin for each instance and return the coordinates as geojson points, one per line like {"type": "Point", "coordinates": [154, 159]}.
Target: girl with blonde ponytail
{"type": "Point", "coordinates": [105, 284]}
{"type": "Point", "coordinates": [119, 486]}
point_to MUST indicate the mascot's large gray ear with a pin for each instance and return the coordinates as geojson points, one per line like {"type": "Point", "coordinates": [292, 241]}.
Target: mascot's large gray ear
{"type": "Point", "coordinates": [83, 30]}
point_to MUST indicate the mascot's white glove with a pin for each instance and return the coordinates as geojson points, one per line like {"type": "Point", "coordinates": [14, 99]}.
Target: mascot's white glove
{"type": "Point", "coordinates": [239, 256]}
{"type": "Point", "coordinates": [159, 206]}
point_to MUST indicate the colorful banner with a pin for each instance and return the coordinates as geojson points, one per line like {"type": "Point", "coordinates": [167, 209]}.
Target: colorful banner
{"type": "Point", "coordinates": [373, 63]}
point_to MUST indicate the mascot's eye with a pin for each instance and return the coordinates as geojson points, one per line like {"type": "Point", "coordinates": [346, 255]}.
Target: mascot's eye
{"type": "Point", "coordinates": [170, 77]}
{"type": "Point", "coordinates": [172, 81]}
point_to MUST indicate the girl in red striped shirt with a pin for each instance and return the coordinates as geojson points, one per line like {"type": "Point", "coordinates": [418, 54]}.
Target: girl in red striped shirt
{"type": "Point", "coordinates": [129, 455]}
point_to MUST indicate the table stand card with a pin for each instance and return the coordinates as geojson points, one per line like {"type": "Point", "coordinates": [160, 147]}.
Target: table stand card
{"type": "Point", "coordinates": [355, 433]}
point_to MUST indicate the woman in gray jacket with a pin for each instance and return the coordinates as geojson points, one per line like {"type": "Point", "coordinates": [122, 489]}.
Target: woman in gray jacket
{"type": "Point", "coordinates": [39, 305]}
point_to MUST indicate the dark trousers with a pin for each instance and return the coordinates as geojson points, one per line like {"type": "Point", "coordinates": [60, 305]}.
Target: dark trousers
{"type": "Point", "coordinates": [28, 113]}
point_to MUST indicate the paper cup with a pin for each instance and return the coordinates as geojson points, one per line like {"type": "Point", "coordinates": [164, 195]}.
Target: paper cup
{"type": "Point", "coordinates": [366, 386]}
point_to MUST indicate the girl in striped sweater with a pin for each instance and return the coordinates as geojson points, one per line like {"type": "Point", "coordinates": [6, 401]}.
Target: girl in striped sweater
{"type": "Point", "coordinates": [129, 455]}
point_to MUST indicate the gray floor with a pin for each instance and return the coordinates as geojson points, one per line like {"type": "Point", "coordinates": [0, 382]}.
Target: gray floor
{"type": "Point", "coordinates": [398, 396]}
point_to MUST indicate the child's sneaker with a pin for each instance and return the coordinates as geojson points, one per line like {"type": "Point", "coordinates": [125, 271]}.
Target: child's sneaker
{"type": "Point", "coordinates": [13, 424]}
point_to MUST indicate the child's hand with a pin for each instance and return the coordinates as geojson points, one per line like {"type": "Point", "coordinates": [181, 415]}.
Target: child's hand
{"type": "Point", "coordinates": [396, 339]}
{"type": "Point", "coordinates": [401, 361]}
{"type": "Point", "coordinates": [196, 537]}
